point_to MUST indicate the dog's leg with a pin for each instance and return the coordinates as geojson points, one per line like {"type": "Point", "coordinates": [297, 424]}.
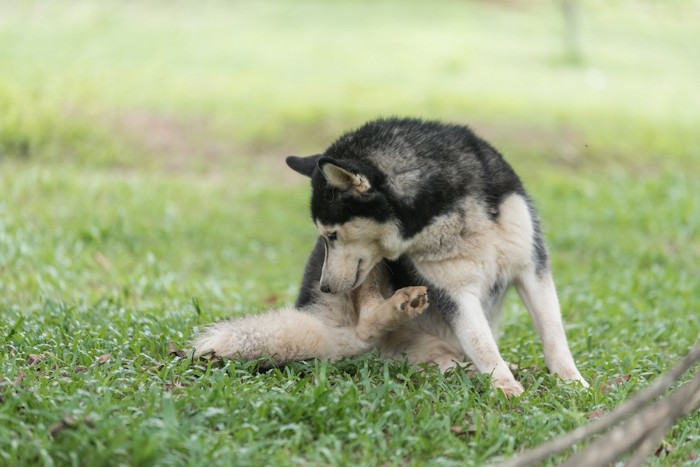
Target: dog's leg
{"type": "Point", "coordinates": [474, 334]}
{"type": "Point", "coordinates": [539, 295]}
{"type": "Point", "coordinates": [283, 335]}
{"type": "Point", "coordinates": [375, 320]}
{"type": "Point", "coordinates": [288, 334]}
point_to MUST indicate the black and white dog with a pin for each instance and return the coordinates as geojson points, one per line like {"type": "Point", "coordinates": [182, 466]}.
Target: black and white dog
{"type": "Point", "coordinates": [407, 208]}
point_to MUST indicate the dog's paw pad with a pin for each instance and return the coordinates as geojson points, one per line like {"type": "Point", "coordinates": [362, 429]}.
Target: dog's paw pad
{"type": "Point", "coordinates": [414, 300]}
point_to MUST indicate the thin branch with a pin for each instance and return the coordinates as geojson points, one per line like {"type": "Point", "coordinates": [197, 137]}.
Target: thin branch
{"type": "Point", "coordinates": [653, 439]}
{"type": "Point", "coordinates": [653, 422]}
{"type": "Point", "coordinates": [632, 406]}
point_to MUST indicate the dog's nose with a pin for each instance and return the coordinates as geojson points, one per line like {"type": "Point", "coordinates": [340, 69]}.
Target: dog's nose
{"type": "Point", "coordinates": [325, 288]}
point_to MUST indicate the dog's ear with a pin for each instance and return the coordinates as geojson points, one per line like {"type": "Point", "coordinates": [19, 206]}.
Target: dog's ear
{"type": "Point", "coordinates": [303, 165]}
{"type": "Point", "coordinates": [342, 178]}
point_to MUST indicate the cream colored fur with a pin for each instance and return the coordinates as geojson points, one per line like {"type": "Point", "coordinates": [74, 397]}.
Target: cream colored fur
{"type": "Point", "coordinates": [461, 255]}
{"type": "Point", "coordinates": [464, 255]}
{"type": "Point", "coordinates": [343, 325]}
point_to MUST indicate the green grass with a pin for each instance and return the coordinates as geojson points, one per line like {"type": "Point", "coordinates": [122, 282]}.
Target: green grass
{"type": "Point", "coordinates": [143, 193]}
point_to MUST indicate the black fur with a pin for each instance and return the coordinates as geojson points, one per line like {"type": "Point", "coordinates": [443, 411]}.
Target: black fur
{"type": "Point", "coordinates": [451, 161]}
{"type": "Point", "coordinates": [495, 293]}
{"type": "Point", "coordinates": [303, 165]}
{"type": "Point", "coordinates": [334, 206]}
{"type": "Point", "coordinates": [540, 251]}
{"type": "Point", "coordinates": [443, 162]}
{"type": "Point", "coordinates": [312, 275]}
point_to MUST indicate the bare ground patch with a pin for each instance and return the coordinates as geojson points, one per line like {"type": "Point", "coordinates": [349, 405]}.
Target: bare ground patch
{"type": "Point", "coordinates": [178, 144]}
{"type": "Point", "coordinates": [171, 142]}
{"type": "Point", "coordinates": [564, 147]}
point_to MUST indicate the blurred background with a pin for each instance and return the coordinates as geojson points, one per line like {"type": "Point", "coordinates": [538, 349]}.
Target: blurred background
{"type": "Point", "coordinates": [143, 194]}
{"type": "Point", "coordinates": [142, 143]}
{"type": "Point", "coordinates": [202, 85]}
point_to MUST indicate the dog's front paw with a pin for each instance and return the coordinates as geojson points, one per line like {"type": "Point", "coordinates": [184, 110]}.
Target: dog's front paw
{"type": "Point", "coordinates": [412, 300]}
{"type": "Point", "coordinates": [567, 371]}
{"type": "Point", "coordinates": [509, 386]}
{"type": "Point", "coordinates": [573, 377]}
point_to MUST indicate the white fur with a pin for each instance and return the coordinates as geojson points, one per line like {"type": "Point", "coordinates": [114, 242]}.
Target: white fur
{"type": "Point", "coordinates": [540, 298]}
{"type": "Point", "coordinates": [465, 255]}
{"type": "Point", "coordinates": [339, 325]}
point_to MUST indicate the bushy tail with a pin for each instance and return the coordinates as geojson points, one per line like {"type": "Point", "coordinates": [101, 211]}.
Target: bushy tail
{"type": "Point", "coordinates": [283, 335]}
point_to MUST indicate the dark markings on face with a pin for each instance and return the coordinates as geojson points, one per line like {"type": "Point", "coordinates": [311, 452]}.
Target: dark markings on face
{"type": "Point", "coordinates": [330, 205]}
{"type": "Point", "coordinates": [444, 164]}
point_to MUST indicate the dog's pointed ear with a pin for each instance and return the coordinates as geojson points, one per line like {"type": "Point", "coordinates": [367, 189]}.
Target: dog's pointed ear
{"type": "Point", "coordinates": [303, 165]}
{"type": "Point", "coordinates": [342, 178]}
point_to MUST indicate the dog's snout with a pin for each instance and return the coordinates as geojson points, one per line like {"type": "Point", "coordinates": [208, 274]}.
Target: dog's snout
{"type": "Point", "coordinates": [325, 288]}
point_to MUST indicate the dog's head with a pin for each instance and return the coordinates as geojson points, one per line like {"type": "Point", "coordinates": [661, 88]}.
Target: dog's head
{"type": "Point", "coordinates": [353, 215]}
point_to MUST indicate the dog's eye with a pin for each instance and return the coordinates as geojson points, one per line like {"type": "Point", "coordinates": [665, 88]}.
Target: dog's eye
{"type": "Point", "coordinates": [332, 236]}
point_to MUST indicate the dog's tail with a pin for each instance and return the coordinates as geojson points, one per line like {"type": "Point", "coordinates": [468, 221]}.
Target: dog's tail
{"type": "Point", "coordinates": [282, 335]}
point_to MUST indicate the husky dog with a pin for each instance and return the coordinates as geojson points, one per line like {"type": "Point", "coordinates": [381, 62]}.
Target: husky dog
{"type": "Point", "coordinates": [406, 207]}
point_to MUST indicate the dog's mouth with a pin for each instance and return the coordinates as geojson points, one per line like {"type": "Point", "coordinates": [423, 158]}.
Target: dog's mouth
{"type": "Point", "coordinates": [359, 278]}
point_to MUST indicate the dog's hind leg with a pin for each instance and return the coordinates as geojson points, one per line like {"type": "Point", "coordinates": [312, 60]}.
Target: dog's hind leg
{"type": "Point", "coordinates": [282, 335]}
{"type": "Point", "coordinates": [289, 334]}
{"type": "Point", "coordinates": [376, 321]}
{"type": "Point", "coordinates": [539, 295]}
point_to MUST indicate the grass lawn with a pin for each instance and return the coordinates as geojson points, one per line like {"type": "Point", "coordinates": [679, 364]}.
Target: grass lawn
{"type": "Point", "coordinates": [143, 193]}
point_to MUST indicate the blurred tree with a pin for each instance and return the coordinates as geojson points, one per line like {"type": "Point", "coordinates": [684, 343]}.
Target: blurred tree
{"type": "Point", "coordinates": [572, 31]}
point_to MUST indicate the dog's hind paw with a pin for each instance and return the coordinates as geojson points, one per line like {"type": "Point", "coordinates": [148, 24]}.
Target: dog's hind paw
{"type": "Point", "coordinates": [412, 300]}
